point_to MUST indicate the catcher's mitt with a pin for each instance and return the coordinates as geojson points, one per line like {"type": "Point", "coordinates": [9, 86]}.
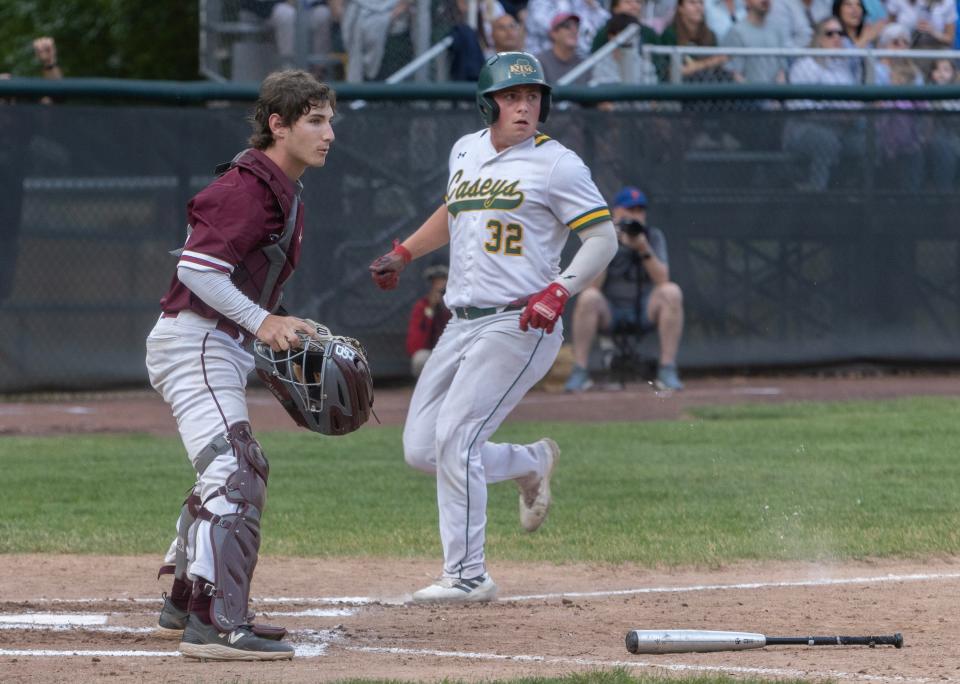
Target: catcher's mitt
{"type": "Point", "coordinates": [325, 385]}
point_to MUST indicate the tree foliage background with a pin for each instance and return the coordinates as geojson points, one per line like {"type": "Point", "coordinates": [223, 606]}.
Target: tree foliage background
{"type": "Point", "coordinates": [103, 38]}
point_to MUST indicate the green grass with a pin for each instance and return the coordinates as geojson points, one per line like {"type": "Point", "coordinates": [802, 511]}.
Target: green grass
{"type": "Point", "coordinates": [763, 481]}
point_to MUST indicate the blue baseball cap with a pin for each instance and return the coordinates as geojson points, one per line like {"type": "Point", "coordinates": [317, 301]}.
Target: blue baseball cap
{"type": "Point", "coordinates": [630, 198]}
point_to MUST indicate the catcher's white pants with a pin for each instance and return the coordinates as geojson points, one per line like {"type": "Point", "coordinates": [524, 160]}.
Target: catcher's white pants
{"type": "Point", "coordinates": [202, 374]}
{"type": "Point", "coordinates": [477, 373]}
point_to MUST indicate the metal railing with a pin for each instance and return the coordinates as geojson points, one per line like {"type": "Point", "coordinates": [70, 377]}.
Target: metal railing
{"type": "Point", "coordinates": [676, 53]}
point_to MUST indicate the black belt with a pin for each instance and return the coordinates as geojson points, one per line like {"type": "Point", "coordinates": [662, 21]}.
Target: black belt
{"type": "Point", "coordinates": [472, 312]}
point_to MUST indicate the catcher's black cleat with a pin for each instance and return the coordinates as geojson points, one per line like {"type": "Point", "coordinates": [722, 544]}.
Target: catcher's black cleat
{"type": "Point", "coordinates": [206, 642]}
{"type": "Point", "coordinates": [172, 620]}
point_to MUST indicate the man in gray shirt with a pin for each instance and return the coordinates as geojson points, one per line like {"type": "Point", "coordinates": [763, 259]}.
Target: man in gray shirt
{"type": "Point", "coordinates": [756, 32]}
{"type": "Point", "coordinates": [562, 55]}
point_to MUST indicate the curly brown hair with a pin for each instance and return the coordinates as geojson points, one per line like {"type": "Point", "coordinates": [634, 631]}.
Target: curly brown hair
{"type": "Point", "coordinates": [290, 94]}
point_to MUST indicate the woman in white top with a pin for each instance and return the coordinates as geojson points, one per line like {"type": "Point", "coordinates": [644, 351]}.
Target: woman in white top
{"type": "Point", "coordinates": [822, 139]}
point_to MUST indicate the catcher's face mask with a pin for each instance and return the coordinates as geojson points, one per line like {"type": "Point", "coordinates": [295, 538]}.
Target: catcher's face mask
{"type": "Point", "coordinates": [325, 385]}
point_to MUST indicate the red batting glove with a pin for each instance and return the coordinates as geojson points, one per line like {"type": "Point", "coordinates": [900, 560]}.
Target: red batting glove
{"type": "Point", "coordinates": [385, 270]}
{"type": "Point", "coordinates": [544, 308]}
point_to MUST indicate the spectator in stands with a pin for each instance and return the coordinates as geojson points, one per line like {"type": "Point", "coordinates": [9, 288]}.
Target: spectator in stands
{"type": "Point", "coordinates": [281, 16]}
{"type": "Point", "coordinates": [507, 34]}
{"type": "Point", "coordinates": [722, 15]}
{"type": "Point", "coordinates": [489, 25]}
{"type": "Point", "coordinates": [15, 136]}
{"type": "Point", "coordinates": [427, 319]}
{"type": "Point", "coordinates": [562, 56]}
{"type": "Point", "coordinates": [540, 13]}
{"type": "Point", "coordinates": [690, 28]}
{"type": "Point", "coordinates": [366, 28]}
{"type": "Point", "coordinates": [896, 37]}
{"type": "Point", "coordinates": [796, 19]}
{"type": "Point", "coordinates": [634, 295]}
{"type": "Point", "coordinates": [625, 64]}
{"type": "Point", "coordinates": [858, 32]}
{"type": "Point", "coordinates": [471, 46]}
{"type": "Point", "coordinates": [823, 141]}
{"type": "Point", "coordinates": [756, 32]}
{"type": "Point", "coordinates": [648, 35]}
{"type": "Point", "coordinates": [944, 146]}
{"type": "Point", "coordinates": [932, 23]}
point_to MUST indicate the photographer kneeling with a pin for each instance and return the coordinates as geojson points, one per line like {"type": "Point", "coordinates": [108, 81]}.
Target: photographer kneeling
{"type": "Point", "coordinates": [634, 294]}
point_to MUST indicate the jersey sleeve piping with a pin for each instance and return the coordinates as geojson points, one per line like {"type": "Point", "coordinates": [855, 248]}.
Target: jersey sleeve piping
{"type": "Point", "coordinates": [589, 218]}
{"type": "Point", "coordinates": [204, 262]}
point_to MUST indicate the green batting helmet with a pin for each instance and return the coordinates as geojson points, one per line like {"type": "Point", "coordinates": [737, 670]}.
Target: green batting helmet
{"type": "Point", "coordinates": [505, 70]}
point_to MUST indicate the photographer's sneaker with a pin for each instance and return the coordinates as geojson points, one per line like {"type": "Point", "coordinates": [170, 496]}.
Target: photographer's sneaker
{"type": "Point", "coordinates": [667, 379]}
{"type": "Point", "coordinates": [206, 642]}
{"type": "Point", "coordinates": [535, 490]}
{"type": "Point", "coordinates": [172, 620]}
{"type": "Point", "coordinates": [453, 590]}
{"type": "Point", "coordinates": [579, 380]}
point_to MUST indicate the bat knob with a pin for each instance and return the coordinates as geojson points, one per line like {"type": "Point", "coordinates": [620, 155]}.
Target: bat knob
{"type": "Point", "coordinates": [633, 642]}
{"type": "Point", "coordinates": [898, 640]}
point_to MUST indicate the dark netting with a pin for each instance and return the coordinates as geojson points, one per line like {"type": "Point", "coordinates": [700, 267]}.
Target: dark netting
{"type": "Point", "coordinates": [798, 237]}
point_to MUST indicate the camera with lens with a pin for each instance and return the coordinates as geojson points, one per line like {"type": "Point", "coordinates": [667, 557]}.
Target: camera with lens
{"type": "Point", "coordinates": [632, 227]}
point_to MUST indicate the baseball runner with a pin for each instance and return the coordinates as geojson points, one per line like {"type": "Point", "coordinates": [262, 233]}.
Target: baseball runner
{"type": "Point", "coordinates": [513, 196]}
{"type": "Point", "coordinates": [244, 239]}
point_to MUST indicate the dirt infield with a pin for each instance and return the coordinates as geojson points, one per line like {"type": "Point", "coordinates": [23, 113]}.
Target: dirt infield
{"type": "Point", "coordinates": [533, 629]}
{"type": "Point", "coordinates": [89, 618]}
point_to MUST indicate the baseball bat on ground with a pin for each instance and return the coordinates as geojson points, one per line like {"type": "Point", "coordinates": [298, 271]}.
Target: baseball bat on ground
{"type": "Point", "coordinates": [702, 640]}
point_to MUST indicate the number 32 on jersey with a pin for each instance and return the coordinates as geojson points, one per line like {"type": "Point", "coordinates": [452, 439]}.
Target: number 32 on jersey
{"type": "Point", "coordinates": [504, 239]}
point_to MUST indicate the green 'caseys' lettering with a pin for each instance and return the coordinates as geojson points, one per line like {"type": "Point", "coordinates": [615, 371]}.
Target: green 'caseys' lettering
{"type": "Point", "coordinates": [481, 194]}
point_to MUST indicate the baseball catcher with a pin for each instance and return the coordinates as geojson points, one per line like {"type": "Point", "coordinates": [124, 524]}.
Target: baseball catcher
{"type": "Point", "coordinates": [244, 239]}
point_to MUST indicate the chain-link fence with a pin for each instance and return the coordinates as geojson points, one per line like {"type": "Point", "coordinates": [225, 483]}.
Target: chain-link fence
{"type": "Point", "coordinates": [799, 236]}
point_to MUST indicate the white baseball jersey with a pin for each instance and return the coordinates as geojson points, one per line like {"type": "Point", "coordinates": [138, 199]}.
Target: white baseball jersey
{"type": "Point", "coordinates": [510, 214]}
{"type": "Point", "coordinates": [509, 217]}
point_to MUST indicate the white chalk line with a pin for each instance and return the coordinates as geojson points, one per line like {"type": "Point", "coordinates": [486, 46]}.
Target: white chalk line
{"type": "Point", "coordinates": [367, 600]}
{"type": "Point", "coordinates": [635, 664]}
{"type": "Point", "coordinates": [318, 649]}
{"type": "Point", "coordinates": [318, 641]}
{"type": "Point", "coordinates": [315, 642]}
{"type": "Point", "coordinates": [742, 585]}
{"type": "Point", "coordinates": [55, 618]}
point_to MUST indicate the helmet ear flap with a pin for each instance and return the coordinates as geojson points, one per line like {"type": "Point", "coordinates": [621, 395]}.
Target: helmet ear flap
{"type": "Point", "coordinates": [545, 101]}
{"type": "Point", "coordinates": [489, 109]}
{"type": "Point", "coordinates": [494, 109]}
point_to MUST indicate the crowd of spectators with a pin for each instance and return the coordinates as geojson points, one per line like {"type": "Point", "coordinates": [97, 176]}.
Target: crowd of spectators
{"type": "Point", "coordinates": [365, 33]}
{"type": "Point", "coordinates": [563, 33]}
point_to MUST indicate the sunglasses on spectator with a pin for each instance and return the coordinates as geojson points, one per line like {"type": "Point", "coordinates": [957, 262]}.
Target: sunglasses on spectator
{"type": "Point", "coordinates": [832, 33]}
{"type": "Point", "coordinates": [569, 24]}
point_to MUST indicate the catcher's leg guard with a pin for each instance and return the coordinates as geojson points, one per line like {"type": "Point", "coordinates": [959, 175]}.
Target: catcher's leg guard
{"type": "Point", "coordinates": [235, 537]}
